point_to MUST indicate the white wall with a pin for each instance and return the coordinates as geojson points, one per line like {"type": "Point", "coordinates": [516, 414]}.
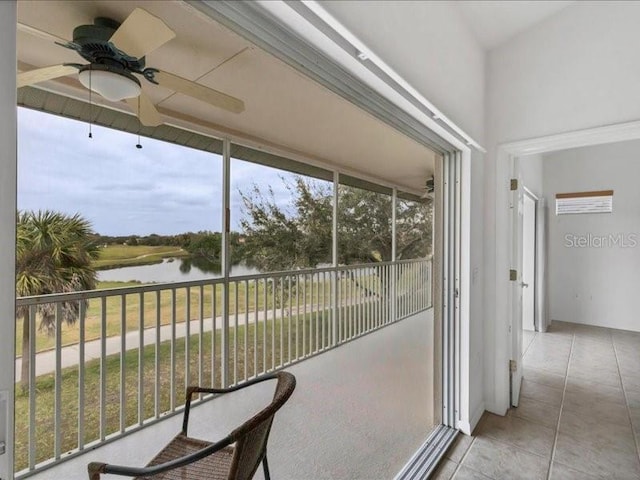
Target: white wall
{"type": "Point", "coordinates": [8, 159]}
{"type": "Point", "coordinates": [431, 47]}
{"type": "Point", "coordinates": [531, 173]}
{"type": "Point", "coordinates": [575, 70]}
{"type": "Point", "coordinates": [598, 284]}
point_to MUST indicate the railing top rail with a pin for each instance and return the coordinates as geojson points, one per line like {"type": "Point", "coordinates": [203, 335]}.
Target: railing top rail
{"type": "Point", "coordinates": [109, 292]}
{"type": "Point", "coordinates": [154, 287]}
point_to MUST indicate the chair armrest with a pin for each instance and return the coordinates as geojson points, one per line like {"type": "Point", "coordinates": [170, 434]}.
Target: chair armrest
{"type": "Point", "coordinates": [217, 391]}
{"type": "Point", "coordinates": [95, 468]}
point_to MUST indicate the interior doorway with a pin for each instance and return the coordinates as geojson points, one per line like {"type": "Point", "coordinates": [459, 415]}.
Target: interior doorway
{"type": "Point", "coordinates": [508, 310]}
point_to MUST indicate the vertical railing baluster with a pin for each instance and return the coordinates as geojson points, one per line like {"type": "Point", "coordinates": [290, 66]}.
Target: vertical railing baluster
{"type": "Point", "coordinates": [316, 302]}
{"type": "Point", "coordinates": [297, 317]}
{"type": "Point", "coordinates": [390, 293]}
{"type": "Point", "coordinates": [264, 329]}
{"type": "Point", "coordinates": [32, 386]}
{"type": "Point", "coordinates": [246, 328]}
{"type": "Point", "coordinates": [414, 287]}
{"type": "Point", "coordinates": [369, 297]}
{"type": "Point", "coordinates": [362, 291]}
{"type": "Point", "coordinates": [273, 323]}
{"type": "Point", "coordinates": [289, 301]}
{"type": "Point", "coordinates": [256, 284]}
{"type": "Point", "coordinates": [409, 275]}
{"type": "Point", "coordinates": [322, 302]}
{"type": "Point", "coordinates": [141, 360]}
{"type": "Point", "coordinates": [340, 310]}
{"type": "Point", "coordinates": [357, 297]}
{"type": "Point", "coordinates": [366, 287]}
{"type": "Point", "coordinates": [103, 366]}
{"type": "Point", "coordinates": [201, 335]}
{"type": "Point", "coordinates": [156, 393]}
{"type": "Point", "coordinates": [406, 295]}
{"type": "Point", "coordinates": [81, 372]}
{"type": "Point", "coordinates": [350, 304]}
{"type": "Point", "coordinates": [187, 338]}
{"type": "Point", "coordinates": [421, 290]}
{"type": "Point", "coordinates": [426, 284]}
{"type": "Point", "coordinates": [123, 360]}
{"type": "Point", "coordinates": [235, 334]}
{"type": "Point", "coordinates": [172, 402]}
{"type": "Point", "coordinates": [214, 332]}
{"type": "Point", "coordinates": [374, 296]}
{"type": "Point", "coordinates": [378, 284]}
{"type": "Point", "coordinates": [394, 292]}
{"type": "Point", "coordinates": [401, 296]}
{"type": "Point", "coordinates": [431, 283]}
{"type": "Point", "coordinates": [379, 293]}
{"type": "Point", "coordinates": [304, 315]}
{"type": "Point", "coordinates": [309, 303]}
{"type": "Point", "coordinates": [334, 307]}
{"type": "Point", "coordinates": [327, 308]}
{"type": "Point", "coordinates": [384, 295]}
{"type": "Point", "coordinates": [365, 275]}
{"type": "Point", "coordinates": [282, 315]}
{"type": "Point", "coordinates": [58, 384]}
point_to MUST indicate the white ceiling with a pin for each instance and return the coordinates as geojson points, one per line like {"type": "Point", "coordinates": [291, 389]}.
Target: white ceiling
{"type": "Point", "coordinates": [495, 22]}
{"type": "Point", "coordinates": [283, 108]}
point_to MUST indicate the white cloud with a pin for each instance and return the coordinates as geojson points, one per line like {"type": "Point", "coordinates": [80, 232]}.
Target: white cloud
{"type": "Point", "coordinates": [162, 188]}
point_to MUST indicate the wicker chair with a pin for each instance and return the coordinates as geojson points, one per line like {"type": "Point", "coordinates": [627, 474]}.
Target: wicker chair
{"type": "Point", "coordinates": [235, 457]}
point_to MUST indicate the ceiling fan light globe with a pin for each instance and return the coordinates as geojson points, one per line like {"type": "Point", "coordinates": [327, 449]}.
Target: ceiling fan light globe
{"type": "Point", "coordinates": [111, 85]}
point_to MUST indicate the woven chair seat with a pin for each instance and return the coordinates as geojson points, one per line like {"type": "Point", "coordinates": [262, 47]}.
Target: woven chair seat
{"type": "Point", "coordinates": [234, 457]}
{"type": "Point", "coordinates": [213, 467]}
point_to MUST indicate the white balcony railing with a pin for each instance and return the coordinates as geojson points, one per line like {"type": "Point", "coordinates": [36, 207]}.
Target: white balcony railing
{"type": "Point", "coordinates": [126, 362]}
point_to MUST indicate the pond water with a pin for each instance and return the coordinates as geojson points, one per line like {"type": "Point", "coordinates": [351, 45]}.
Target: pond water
{"type": "Point", "coordinates": [171, 270]}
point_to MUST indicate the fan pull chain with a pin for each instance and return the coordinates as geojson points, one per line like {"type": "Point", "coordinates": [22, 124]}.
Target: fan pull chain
{"type": "Point", "coordinates": [90, 105]}
{"type": "Point", "coordinates": [138, 145]}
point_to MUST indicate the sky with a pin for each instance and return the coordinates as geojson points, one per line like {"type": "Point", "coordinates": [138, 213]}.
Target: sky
{"type": "Point", "coordinates": [162, 188]}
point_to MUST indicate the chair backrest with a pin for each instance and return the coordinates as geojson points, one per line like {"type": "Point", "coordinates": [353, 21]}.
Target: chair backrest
{"type": "Point", "coordinates": [251, 437]}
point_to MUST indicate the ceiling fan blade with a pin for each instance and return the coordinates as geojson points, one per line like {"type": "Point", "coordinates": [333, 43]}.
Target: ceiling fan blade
{"type": "Point", "coordinates": [49, 37]}
{"type": "Point", "coordinates": [141, 33]}
{"type": "Point", "coordinates": [42, 74]}
{"type": "Point", "coordinates": [200, 92]}
{"type": "Point", "coordinates": [146, 110]}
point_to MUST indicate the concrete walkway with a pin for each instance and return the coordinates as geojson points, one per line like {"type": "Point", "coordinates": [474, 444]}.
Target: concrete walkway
{"type": "Point", "coordinates": [46, 360]}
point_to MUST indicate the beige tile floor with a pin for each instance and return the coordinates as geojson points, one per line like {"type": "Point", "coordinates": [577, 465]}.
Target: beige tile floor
{"type": "Point", "coordinates": [578, 418]}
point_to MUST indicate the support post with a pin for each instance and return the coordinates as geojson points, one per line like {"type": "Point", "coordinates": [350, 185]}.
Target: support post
{"type": "Point", "coordinates": [226, 259]}
{"type": "Point", "coordinates": [334, 261]}
{"type": "Point", "coordinates": [8, 175]}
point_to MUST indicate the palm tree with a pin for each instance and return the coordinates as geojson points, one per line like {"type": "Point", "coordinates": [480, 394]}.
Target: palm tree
{"type": "Point", "coordinates": [54, 252]}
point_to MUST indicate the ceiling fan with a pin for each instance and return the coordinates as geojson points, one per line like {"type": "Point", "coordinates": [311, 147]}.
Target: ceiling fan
{"type": "Point", "coordinates": [116, 55]}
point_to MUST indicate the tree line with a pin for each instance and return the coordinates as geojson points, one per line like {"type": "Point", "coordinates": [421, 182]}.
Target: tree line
{"type": "Point", "coordinates": [55, 251]}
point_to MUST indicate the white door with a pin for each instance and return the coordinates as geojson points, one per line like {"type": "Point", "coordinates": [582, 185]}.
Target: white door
{"type": "Point", "coordinates": [528, 281]}
{"type": "Point", "coordinates": [516, 205]}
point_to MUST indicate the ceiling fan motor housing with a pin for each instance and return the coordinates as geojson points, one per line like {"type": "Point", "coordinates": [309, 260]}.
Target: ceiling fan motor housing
{"type": "Point", "coordinates": [93, 42]}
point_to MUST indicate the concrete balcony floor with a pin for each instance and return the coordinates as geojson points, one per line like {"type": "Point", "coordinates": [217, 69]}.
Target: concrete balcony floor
{"type": "Point", "coordinates": [359, 412]}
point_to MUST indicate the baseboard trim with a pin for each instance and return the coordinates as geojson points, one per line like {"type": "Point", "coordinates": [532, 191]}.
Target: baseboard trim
{"type": "Point", "coordinates": [468, 427]}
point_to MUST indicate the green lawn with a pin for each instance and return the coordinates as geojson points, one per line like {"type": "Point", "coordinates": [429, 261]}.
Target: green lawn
{"type": "Point", "coordinates": [45, 385]}
{"type": "Point", "coordinates": [114, 256]}
{"type": "Point", "coordinates": [183, 302]}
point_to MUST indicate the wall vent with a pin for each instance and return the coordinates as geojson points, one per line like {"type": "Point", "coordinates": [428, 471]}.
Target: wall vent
{"type": "Point", "coordinates": [584, 202]}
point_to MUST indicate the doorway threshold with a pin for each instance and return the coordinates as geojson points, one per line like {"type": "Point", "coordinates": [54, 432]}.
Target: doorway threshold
{"type": "Point", "coordinates": [425, 460]}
